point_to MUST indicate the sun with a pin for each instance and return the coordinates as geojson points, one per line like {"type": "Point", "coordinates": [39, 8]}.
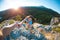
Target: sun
{"type": "Point", "coordinates": [15, 8]}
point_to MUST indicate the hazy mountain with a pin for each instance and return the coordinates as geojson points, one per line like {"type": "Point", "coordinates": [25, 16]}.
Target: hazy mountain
{"type": "Point", "coordinates": [42, 14]}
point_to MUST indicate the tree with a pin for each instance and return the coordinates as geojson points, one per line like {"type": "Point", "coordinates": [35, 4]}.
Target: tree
{"type": "Point", "coordinates": [11, 21]}
{"type": "Point", "coordinates": [57, 29]}
{"type": "Point", "coordinates": [18, 18]}
{"type": "Point", "coordinates": [0, 25]}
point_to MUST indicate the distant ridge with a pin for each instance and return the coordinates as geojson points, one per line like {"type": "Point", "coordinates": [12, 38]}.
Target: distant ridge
{"type": "Point", "coordinates": [38, 12]}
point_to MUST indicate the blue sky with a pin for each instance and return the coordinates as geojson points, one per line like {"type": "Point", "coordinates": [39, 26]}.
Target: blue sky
{"type": "Point", "coordinates": [52, 4]}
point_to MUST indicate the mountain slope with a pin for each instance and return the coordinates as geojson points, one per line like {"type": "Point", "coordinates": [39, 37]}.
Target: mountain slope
{"type": "Point", "coordinates": [42, 14]}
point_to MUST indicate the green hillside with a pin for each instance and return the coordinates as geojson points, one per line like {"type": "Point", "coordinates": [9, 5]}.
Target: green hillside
{"type": "Point", "coordinates": [41, 14]}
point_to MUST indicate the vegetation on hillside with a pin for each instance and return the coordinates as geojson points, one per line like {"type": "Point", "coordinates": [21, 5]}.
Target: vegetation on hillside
{"type": "Point", "coordinates": [41, 14]}
{"type": "Point", "coordinates": [56, 29]}
{"type": "Point", "coordinates": [17, 18]}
